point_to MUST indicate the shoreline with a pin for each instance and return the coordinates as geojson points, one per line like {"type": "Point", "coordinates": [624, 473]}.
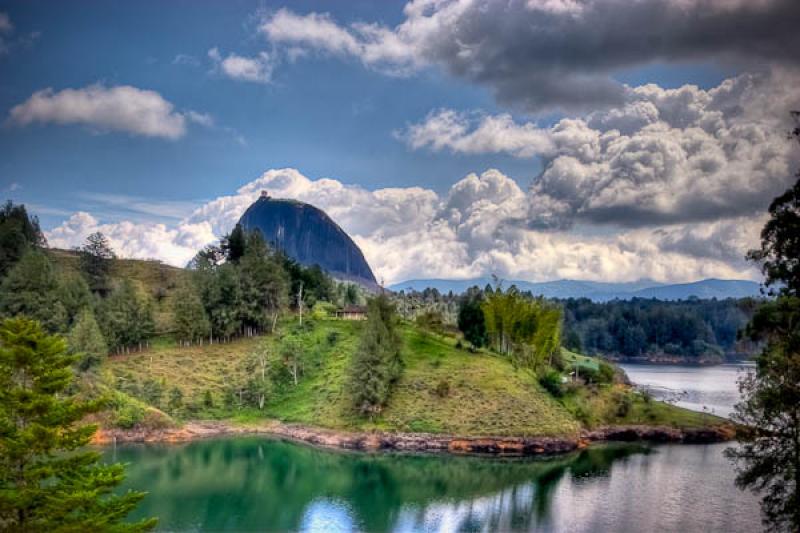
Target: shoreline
{"type": "Point", "coordinates": [418, 442]}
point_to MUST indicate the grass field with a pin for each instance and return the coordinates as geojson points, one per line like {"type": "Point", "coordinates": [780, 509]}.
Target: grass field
{"type": "Point", "coordinates": [443, 389]}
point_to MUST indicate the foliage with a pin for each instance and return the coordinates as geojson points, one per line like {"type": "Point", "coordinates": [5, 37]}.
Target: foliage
{"type": "Point", "coordinates": [31, 289]}
{"type": "Point", "coordinates": [18, 234]}
{"type": "Point", "coordinates": [691, 328]}
{"type": "Point", "coordinates": [377, 363]}
{"type": "Point", "coordinates": [189, 315]}
{"type": "Point", "coordinates": [551, 382]}
{"type": "Point", "coordinates": [46, 481]}
{"type": "Point", "coordinates": [264, 285]}
{"type": "Point", "coordinates": [126, 318]}
{"type": "Point", "coordinates": [768, 459]}
{"type": "Point", "coordinates": [528, 329]}
{"type": "Point", "coordinates": [234, 244]}
{"type": "Point", "coordinates": [95, 261]}
{"type": "Point", "coordinates": [86, 340]}
{"type": "Point", "coordinates": [471, 320]}
{"type": "Point", "coordinates": [74, 295]}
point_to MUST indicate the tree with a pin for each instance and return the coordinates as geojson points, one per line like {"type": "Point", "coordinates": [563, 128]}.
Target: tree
{"type": "Point", "coordinates": [263, 285]}
{"type": "Point", "coordinates": [18, 234]}
{"type": "Point", "coordinates": [126, 318]}
{"type": "Point", "coordinates": [95, 260]}
{"type": "Point", "coordinates": [74, 295]}
{"type": "Point", "coordinates": [48, 482]}
{"type": "Point", "coordinates": [471, 320]}
{"type": "Point", "coordinates": [234, 244]}
{"type": "Point", "coordinates": [191, 321]}
{"type": "Point", "coordinates": [768, 458]}
{"type": "Point", "coordinates": [31, 289]}
{"type": "Point", "coordinates": [86, 340]}
{"type": "Point", "coordinates": [377, 363]}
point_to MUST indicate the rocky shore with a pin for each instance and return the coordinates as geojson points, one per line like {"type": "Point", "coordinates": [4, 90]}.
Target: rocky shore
{"type": "Point", "coordinates": [373, 441]}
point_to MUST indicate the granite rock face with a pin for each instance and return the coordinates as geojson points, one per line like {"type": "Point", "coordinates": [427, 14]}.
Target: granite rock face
{"type": "Point", "coordinates": [309, 236]}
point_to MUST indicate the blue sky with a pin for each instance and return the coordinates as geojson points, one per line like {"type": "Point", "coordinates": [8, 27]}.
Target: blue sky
{"type": "Point", "coordinates": [328, 108]}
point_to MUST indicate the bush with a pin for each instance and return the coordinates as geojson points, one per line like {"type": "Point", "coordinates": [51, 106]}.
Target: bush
{"type": "Point", "coordinates": [442, 389]}
{"type": "Point", "coordinates": [623, 403]}
{"type": "Point", "coordinates": [551, 382]}
{"type": "Point", "coordinates": [606, 373]}
{"type": "Point", "coordinates": [332, 338]}
{"type": "Point", "coordinates": [208, 399]}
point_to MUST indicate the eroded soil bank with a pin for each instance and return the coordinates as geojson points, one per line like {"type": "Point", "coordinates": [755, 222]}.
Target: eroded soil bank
{"type": "Point", "coordinates": [373, 441]}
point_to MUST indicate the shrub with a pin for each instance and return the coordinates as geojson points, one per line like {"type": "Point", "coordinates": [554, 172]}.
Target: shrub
{"type": "Point", "coordinates": [332, 338]}
{"type": "Point", "coordinates": [442, 389]}
{"type": "Point", "coordinates": [606, 373]}
{"type": "Point", "coordinates": [551, 382]}
{"type": "Point", "coordinates": [623, 403]}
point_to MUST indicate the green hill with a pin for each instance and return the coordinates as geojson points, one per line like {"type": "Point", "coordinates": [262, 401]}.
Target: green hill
{"type": "Point", "coordinates": [443, 389]}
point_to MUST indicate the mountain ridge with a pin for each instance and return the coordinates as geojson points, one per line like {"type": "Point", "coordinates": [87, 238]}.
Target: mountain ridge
{"type": "Point", "coordinates": [601, 291]}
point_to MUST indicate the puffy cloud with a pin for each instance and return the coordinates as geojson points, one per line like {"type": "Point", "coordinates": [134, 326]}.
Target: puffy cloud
{"type": "Point", "coordinates": [664, 156]}
{"type": "Point", "coordinates": [476, 133]}
{"type": "Point", "coordinates": [478, 227]}
{"type": "Point", "coordinates": [256, 69]}
{"type": "Point", "coordinates": [375, 45]}
{"type": "Point", "coordinates": [121, 108]}
{"type": "Point", "coordinates": [552, 53]}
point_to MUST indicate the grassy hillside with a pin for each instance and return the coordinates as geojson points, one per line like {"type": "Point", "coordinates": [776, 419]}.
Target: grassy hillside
{"type": "Point", "coordinates": [444, 389]}
{"type": "Point", "coordinates": [154, 278]}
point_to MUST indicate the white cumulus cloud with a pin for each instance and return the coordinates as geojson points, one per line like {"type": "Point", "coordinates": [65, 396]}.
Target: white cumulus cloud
{"type": "Point", "coordinates": [256, 69]}
{"type": "Point", "coordinates": [478, 227]}
{"type": "Point", "coordinates": [120, 108]}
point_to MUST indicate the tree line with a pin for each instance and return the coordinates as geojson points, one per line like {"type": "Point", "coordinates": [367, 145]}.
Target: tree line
{"type": "Point", "coordinates": [641, 327]}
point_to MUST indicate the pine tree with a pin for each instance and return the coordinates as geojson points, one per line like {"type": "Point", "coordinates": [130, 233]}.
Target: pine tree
{"type": "Point", "coordinates": [234, 244]}
{"type": "Point", "coordinates": [74, 295]}
{"type": "Point", "coordinates": [471, 321]}
{"type": "Point", "coordinates": [191, 322]}
{"type": "Point", "coordinates": [30, 289]}
{"type": "Point", "coordinates": [48, 482]}
{"type": "Point", "coordinates": [19, 233]}
{"type": "Point", "coordinates": [86, 340]}
{"type": "Point", "coordinates": [264, 285]}
{"type": "Point", "coordinates": [95, 259]}
{"type": "Point", "coordinates": [377, 364]}
{"type": "Point", "coordinates": [126, 318]}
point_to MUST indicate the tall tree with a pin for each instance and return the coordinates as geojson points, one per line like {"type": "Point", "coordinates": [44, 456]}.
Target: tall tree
{"type": "Point", "coordinates": [377, 363]}
{"type": "Point", "coordinates": [95, 259]}
{"type": "Point", "coordinates": [18, 233]}
{"type": "Point", "coordinates": [264, 285]}
{"type": "Point", "coordinates": [48, 481]}
{"type": "Point", "coordinates": [86, 340]}
{"type": "Point", "coordinates": [191, 321]}
{"type": "Point", "coordinates": [31, 289]}
{"type": "Point", "coordinates": [471, 320]}
{"type": "Point", "coordinates": [126, 318]}
{"type": "Point", "coordinates": [769, 456]}
{"type": "Point", "coordinates": [234, 244]}
{"type": "Point", "coordinates": [74, 295]}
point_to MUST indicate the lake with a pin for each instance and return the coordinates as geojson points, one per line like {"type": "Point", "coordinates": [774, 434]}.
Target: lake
{"type": "Point", "coordinates": [256, 483]}
{"type": "Point", "coordinates": [693, 387]}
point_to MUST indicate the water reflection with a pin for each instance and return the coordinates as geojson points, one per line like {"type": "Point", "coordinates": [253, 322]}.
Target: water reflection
{"type": "Point", "coordinates": [254, 483]}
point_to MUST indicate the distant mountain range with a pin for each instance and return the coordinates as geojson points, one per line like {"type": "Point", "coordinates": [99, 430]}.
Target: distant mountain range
{"type": "Point", "coordinates": [599, 291]}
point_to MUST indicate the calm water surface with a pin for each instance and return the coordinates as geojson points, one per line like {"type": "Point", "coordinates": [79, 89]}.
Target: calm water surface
{"type": "Point", "coordinates": [692, 387]}
{"type": "Point", "coordinates": [253, 483]}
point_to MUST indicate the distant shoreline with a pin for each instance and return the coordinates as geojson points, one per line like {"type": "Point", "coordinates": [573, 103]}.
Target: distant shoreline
{"type": "Point", "coordinates": [420, 442]}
